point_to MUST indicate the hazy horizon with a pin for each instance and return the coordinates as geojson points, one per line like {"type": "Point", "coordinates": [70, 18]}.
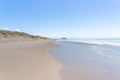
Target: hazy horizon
{"type": "Point", "coordinates": [62, 18]}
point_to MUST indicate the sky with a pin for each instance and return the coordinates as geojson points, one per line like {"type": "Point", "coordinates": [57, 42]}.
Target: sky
{"type": "Point", "coordinates": [62, 18]}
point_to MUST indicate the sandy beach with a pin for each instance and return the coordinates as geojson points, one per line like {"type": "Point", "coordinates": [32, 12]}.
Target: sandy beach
{"type": "Point", "coordinates": [28, 57]}
{"type": "Point", "coordinates": [28, 60]}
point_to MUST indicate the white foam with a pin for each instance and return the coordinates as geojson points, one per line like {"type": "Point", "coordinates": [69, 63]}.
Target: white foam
{"type": "Point", "coordinates": [103, 51]}
{"type": "Point", "coordinates": [106, 52]}
{"type": "Point", "coordinates": [100, 42]}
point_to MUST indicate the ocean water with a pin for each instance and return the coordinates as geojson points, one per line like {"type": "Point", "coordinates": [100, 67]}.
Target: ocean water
{"type": "Point", "coordinates": [109, 41]}
{"type": "Point", "coordinates": [89, 59]}
{"type": "Point", "coordinates": [104, 47]}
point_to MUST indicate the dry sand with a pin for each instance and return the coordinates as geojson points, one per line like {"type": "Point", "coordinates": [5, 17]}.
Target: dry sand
{"type": "Point", "coordinates": [28, 60]}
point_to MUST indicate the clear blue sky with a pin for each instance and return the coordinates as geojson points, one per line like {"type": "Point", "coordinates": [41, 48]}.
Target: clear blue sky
{"type": "Point", "coordinates": [57, 18]}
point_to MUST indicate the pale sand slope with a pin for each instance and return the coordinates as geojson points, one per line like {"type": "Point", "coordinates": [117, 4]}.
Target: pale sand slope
{"type": "Point", "coordinates": [28, 60]}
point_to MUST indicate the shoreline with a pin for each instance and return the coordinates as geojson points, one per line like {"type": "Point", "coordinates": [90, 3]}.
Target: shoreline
{"type": "Point", "coordinates": [85, 61]}
{"type": "Point", "coordinates": [29, 60]}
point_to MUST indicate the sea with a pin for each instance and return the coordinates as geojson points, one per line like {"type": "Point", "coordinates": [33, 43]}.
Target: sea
{"type": "Point", "coordinates": [109, 47]}
{"type": "Point", "coordinates": [89, 59]}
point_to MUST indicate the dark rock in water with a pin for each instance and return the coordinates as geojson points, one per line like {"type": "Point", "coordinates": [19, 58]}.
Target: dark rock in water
{"type": "Point", "coordinates": [63, 38]}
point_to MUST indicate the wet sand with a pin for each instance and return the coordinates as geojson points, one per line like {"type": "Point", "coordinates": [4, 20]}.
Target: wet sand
{"type": "Point", "coordinates": [28, 60]}
{"type": "Point", "coordinates": [82, 63]}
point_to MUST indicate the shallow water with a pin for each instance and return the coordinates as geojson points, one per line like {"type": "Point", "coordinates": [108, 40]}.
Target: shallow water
{"type": "Point", "coordinates": [84, 61]}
